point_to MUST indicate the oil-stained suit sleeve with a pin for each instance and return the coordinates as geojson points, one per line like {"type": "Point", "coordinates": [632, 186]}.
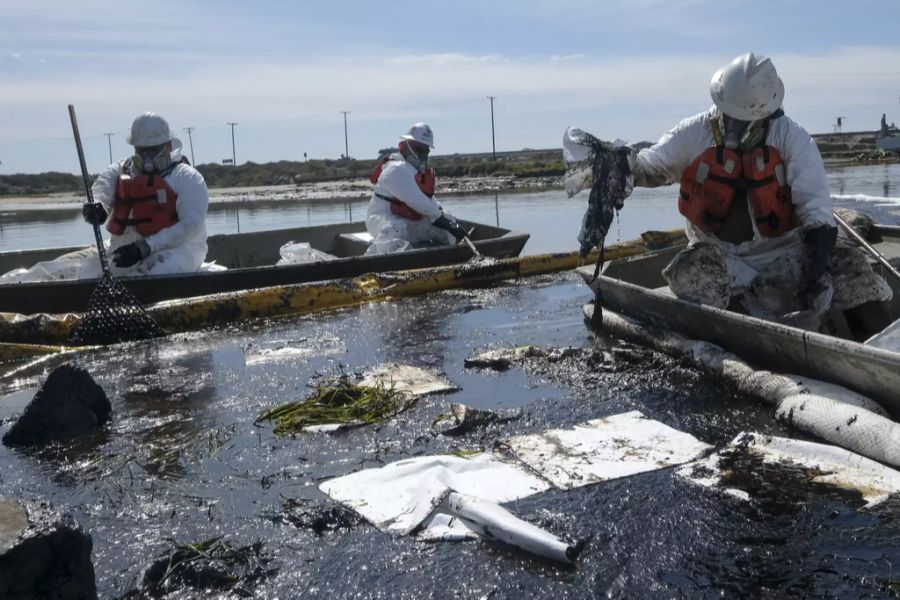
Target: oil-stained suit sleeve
{"type": "Point", "coordinates": [662, 163]}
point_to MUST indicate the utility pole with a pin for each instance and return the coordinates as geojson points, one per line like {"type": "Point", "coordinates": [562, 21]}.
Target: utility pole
{"type": "Point", "coordinates": [233, 155]}
{"type": "Point", "coordinates": [346, 145]}
{"type": "Point", "coordinates": [109, 143]}
{"type": "Point", "coordinates": [191, 142]}
{"type": "Point", "coordinates": [493, 141]}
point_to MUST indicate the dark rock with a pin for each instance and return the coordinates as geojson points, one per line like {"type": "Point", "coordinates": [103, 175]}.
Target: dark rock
{"type": "Point", "coordinates": [43, 554]}
{"type": "Point", "coordinates": [319, 518]}
{"type": "Point", "coordinates": [69, 404]}
{"type": "Point", "coordinates": [463, 419]}
{"type": "Point", "coordinates": [493, 359]}
{"type": "Point", "coordinates": [502, 359]}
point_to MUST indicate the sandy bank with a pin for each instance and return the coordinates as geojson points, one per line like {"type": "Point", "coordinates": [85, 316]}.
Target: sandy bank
{"type": "Point", "coordinates": [303, 192]}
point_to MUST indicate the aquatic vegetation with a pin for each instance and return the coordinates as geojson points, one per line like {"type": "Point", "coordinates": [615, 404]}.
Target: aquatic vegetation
{"type": "Point", "coordinates": [318, 517]}
{"type": "Point", "coordinates": [212, 564]}
{"type": "Point", "coordinates": [339, 402]}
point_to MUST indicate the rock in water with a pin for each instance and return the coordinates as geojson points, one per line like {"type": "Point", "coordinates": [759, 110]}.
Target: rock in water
{"type": "Point", "coordinates": [463, 419]}
{"type": "Point", "coordinates": [43, 554]}
{"type": "Point", "coordinates": [69, 404]}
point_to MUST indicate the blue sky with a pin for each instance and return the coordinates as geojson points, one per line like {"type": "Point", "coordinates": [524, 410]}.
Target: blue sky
{"type": "Point", "coordinates": [284, 71]}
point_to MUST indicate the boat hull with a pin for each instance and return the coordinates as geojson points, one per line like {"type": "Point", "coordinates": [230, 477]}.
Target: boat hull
{"type": "Point", "coordinates": [242, 250]}
{"type": "Point", "coordinates": [628, 290]}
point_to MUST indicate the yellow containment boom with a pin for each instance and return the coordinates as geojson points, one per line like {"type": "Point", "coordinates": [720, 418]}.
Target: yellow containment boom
{"type": "Point", "coordinates": [21, 334]}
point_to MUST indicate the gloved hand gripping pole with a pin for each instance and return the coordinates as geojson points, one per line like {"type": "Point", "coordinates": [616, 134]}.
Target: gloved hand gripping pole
{"type": "Point", "coordinates": [98, 237]}
{"type": "Point", "coordinates": [113, 313]}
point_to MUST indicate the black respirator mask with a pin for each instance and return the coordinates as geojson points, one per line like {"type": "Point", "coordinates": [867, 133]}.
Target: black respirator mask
{"type": "Point", "coordinates": [736, 133]}
{"type": "Point", "coordinates": [742, 135]}
{"type": "Point", "coordinates": [154, 159]}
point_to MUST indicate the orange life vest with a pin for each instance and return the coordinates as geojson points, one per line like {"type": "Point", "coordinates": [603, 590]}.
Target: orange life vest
{"type": "Point", "coordinates": [425, 181]}
{"type": "Point", "coordinates": [146, 202]}
{"type": "Point", "coordinates": [710, 182]}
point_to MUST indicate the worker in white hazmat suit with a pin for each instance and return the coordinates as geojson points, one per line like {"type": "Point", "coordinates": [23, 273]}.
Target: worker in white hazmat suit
{"type": "Point", "coordinates": [760, 224]}
{"type": "Point", "coordinates": [153, 204]}
{"type": "Point", "coordinates": [403, 213]}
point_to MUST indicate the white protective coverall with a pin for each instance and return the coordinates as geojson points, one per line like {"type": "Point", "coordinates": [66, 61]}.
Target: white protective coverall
{"type": "Point", "coordinates": [781, 256]}
{"type": "Point", "coordinates": [180, 248]}
{"type": "Point", "coordinates": [393, 233]}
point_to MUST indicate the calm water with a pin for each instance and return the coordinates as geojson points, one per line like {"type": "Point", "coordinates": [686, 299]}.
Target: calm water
{"type": "Point", "coordinates": [552, 219]}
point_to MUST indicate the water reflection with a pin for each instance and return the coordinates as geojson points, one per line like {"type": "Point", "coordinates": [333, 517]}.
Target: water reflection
{"type": "Point", "coordinates": [549, 216]}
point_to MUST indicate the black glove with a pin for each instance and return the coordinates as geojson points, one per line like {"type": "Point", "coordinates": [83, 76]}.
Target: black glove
{"type": "Point", "coordinates": [93, 213]}
{"type": "Point", "coordinates": [131, 254]}
{"type": "Point", "coordinates": [817, 267]}
{"type": "Point", "coordinates": [453, 227]}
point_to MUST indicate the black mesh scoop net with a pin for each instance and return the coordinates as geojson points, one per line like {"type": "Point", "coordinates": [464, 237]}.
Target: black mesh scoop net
{"type": "Point", "coordinates": [113, 314]}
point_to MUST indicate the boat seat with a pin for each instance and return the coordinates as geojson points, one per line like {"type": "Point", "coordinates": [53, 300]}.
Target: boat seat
{"type": "Point", "coordinates": [353, 244]}
{"type": "Point", "coordinates": [889, 339]}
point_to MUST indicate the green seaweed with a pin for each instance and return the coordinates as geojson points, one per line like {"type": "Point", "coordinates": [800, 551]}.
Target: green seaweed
{"type": "Point", "coordinates": [210, 565]}
{"type": "Point", "coordinates": [337, 402]}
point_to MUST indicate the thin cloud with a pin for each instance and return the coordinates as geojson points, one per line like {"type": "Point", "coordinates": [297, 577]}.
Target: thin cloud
{"type": "Point", "coordinates": [307, 90]}
{"type": "Point", "coordinates": [443, 59]}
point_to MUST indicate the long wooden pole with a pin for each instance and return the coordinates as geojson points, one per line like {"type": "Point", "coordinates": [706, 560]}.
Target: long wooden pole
{"type": "Point", "coordinates": [104, 263]}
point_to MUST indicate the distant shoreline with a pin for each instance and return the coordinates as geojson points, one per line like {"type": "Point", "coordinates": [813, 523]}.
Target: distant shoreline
{"type": "Point", "coordinates": [327, 191]}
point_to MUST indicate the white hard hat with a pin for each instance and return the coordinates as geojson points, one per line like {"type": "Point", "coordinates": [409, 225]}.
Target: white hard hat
{"type": "Point", "coordinates": [149, 129]}
{"type": "Point", "coordinates": [420, 132]}
{"type": "Point", "coordinates": [748, 88]}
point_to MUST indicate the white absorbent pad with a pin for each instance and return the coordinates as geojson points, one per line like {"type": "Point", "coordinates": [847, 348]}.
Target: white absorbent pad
{"type": "Point", "coordinates": [406, 379]}
{"type": "Point", "coordinates": [603, 449]}
{"type": "Point", "coordinates": [820, 463]}
{"type": "Point", "coordinates": [399, 496]}
{"type": "Point", "coordinates": [452, 498]}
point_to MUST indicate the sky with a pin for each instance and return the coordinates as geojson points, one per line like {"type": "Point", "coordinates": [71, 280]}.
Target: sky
{"type": "Point", "coordinates": [284, 71]}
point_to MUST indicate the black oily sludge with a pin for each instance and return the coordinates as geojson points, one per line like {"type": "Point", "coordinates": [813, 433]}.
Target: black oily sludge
{"type": "Point", "coordinates": [182, 462]}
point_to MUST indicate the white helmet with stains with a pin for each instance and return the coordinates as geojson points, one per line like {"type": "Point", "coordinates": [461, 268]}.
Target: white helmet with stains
{"type": "Point", "coordinates": [420, 132]}
{"type": "Point", "coordinates": [748, 88]}
{"type": "Point", "coordinates": [148, 130]}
